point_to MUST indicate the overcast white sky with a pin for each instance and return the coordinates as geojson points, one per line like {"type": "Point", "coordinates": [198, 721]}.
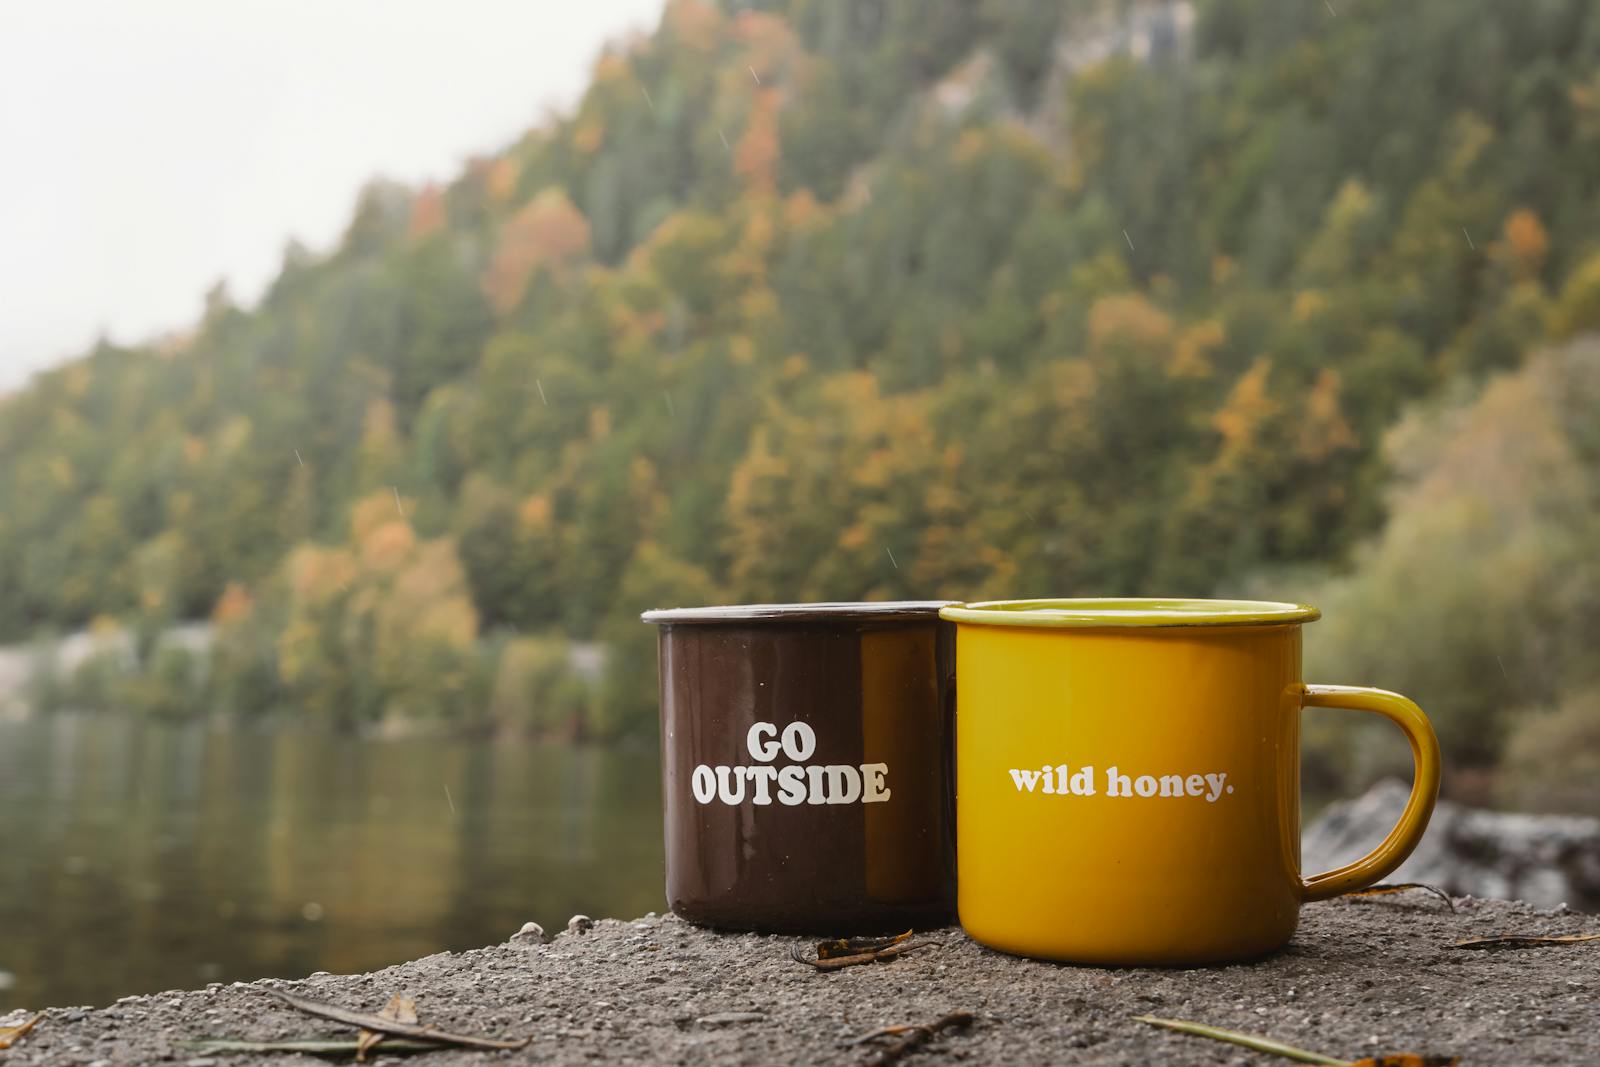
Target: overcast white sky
{"type": "Point", "coordinates": [150, 148]}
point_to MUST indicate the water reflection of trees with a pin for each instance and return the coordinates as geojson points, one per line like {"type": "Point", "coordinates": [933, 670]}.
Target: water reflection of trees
{"type": "Point", "coordinates": [205, 853]}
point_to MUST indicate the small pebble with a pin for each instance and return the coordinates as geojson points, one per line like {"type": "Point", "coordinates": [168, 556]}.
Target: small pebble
{"type": "Point", "coordinates": [531, 931]}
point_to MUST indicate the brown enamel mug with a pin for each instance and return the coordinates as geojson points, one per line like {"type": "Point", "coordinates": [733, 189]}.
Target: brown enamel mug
{"type": "Point", "coordinates": [807, 766]}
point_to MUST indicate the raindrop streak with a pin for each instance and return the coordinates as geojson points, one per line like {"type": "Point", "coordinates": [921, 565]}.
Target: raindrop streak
{"type": "Point", "coordinates": [725, 143]}
{"type": "Point", "coordinates": [1502, 663]}
{"type": "Point", "coordinates": [647, 99]}
{"type": "Point", "coordinates": [891, 557]}
{"type": "Point", "coordinates": [397, 505]}
{"type": "Point", "coordinates": [754, 75]}
{"type": "Point", "coordinates": [1128, 239]}
{"type": "Point", "coordinates": [1468, 236]}
{"type": "Point", "coordinates": [298, 459]}
{"type": "Point", "coordinates": [1329, 6]}
{"type": "Point", "coordinates": [668, 398]}
{"type": "Point", "coordinates": [541, 392]}
{"type": "Point", "coordinates": [449, 799]}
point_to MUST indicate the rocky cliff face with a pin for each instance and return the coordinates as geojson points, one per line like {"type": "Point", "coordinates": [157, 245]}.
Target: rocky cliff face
{"type": "Point", "coordinates": [1543, 859]}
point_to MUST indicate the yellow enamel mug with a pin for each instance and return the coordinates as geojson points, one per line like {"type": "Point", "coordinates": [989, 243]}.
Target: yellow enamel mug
{"type": "Point", "coordinates": [1128, 778]}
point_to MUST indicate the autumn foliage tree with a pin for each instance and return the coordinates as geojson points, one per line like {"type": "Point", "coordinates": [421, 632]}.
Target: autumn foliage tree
{"type": "Point", "coordinates": [889, 298]}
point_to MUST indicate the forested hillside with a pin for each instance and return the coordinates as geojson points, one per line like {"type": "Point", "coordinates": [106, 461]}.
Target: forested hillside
{"type": "Point", "coordinates": [822, 300]}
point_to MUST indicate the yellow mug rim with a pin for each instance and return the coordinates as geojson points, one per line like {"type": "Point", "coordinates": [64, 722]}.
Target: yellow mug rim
{"type": "Point", "coordinates": [1139, 612]}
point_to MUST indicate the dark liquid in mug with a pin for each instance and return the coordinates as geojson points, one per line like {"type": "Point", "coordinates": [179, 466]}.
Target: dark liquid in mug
{"type": "Point", "coordinates": [836, 814]}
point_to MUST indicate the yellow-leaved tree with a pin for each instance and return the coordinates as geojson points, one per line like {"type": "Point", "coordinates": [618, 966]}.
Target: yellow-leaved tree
{"type": "Point", "coordinates": [381, 629]}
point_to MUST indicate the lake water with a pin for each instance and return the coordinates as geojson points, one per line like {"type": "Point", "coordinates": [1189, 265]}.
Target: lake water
{"type": "Point", "coordinates": [138, 856]}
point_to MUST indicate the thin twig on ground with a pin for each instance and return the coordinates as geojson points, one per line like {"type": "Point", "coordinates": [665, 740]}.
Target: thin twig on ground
{"type": "Point", "coordinates": [1278, 1048]}
{"type": "Point", "coordinates": [1524, 941]}
{"type": "Point", "coordinates": [367, 1021]}
{"type": "Point", "coordinates": [310, 1046]}
{"type": "Point", "coordinates": [1384, 889]}
{"type": "Point", "coordinates": [1250, 1041]}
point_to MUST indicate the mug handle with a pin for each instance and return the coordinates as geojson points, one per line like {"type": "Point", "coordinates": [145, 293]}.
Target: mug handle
{"type": "Point", "coordinates": [1424, 787]}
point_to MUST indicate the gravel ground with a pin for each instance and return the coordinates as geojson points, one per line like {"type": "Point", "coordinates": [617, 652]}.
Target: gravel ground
{"type": "Point", "coordinates": [1361, 977]}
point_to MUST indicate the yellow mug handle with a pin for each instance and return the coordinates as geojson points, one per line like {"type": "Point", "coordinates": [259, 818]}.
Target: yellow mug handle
{"type": "Point", "coordinates": [1424, 786]}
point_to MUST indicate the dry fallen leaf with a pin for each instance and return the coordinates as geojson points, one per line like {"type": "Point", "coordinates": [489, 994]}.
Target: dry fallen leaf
{"type": "Point", "coordinates": [851, 946]}
{"type": "Point", "coordinates": [400, 1009]}
{"type": "Point", "coordinates": [911, 1037]}
{"type": "Point", "coordinates": [1524, 941]}
{"type": "Point", "coordinates": [882, 955]}
{"type": "Point", "coordinates": [10, 1035]}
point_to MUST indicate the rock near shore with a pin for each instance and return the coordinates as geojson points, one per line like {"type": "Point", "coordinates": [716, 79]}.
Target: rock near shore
{"type": "Point", "coordinates": [1543, 859]}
